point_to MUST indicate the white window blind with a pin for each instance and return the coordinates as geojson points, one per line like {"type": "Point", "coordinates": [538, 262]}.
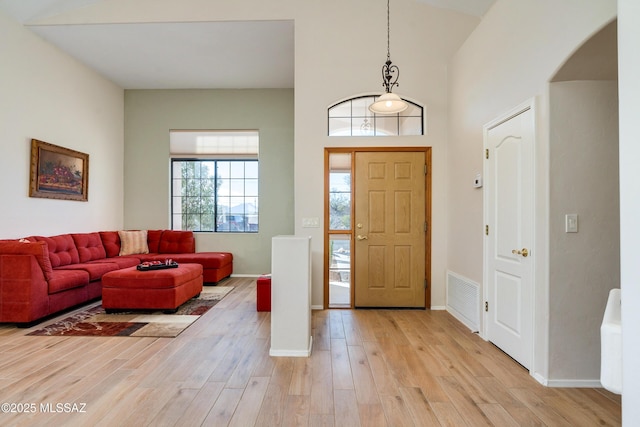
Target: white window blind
{"type": "Point", "coordinates": [214, 143]}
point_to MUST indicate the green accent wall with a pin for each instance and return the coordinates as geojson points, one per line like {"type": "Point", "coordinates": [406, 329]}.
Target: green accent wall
{"type": "Point", "coordinates": [151, 114]}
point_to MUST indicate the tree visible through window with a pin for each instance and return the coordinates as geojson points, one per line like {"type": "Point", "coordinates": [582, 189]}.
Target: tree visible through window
{"type": "Point", "coordinates": [215, 195]}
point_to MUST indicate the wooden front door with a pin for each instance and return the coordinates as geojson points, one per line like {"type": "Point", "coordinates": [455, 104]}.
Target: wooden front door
{"type": "Point", "coordinates": [390, 229]}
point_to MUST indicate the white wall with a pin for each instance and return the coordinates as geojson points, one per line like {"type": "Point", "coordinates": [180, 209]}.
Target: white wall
{"type": "Point", "coordinates": [509, 58]}
{"type": "Point", "coordinates": [339, 51]}
{"type": "Point", "coordinates": [629, 70]}
{"type": "Point", "coordinates": [339, 55]}
{"type": "Point", "coordinates": [583, 266]}
{"type": "Point", "coordinates": [47, 95]}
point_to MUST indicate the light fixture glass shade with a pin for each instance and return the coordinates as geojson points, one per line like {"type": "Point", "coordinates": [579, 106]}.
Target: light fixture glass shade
{"type": "Point", "coordinates": [388, 103]}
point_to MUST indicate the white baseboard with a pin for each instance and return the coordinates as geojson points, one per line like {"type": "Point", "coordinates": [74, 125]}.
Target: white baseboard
{"type": "Point", "coordinates": [574, 383]}
{"type": "Point", "coordinates": [292, 353]}
{"type": "Point", "coordinates": [245, 275]}
{"type": "Point", "coordinates": [317, 307]}
{"type": "Point", "coordinates": [438, 307]}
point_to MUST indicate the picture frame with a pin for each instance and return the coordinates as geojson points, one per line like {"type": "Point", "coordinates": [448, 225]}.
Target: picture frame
{"type": "Point", "coordinates": [58, 172]}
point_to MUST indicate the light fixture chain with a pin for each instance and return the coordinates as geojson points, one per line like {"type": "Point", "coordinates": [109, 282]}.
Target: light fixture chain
{"type": "Point", "coordinates": [388, 36]}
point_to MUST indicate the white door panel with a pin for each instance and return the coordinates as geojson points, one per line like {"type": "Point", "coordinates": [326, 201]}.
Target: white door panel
{"type": "Point", "coordinates": [508, 199]}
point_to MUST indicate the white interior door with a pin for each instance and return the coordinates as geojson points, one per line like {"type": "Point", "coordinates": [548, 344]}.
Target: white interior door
{"type": "Point", "coordinates": [508, 201]}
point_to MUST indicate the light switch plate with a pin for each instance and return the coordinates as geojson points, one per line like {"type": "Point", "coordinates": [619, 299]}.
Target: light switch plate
{"type": "Point", "coordinates": [571, 223]}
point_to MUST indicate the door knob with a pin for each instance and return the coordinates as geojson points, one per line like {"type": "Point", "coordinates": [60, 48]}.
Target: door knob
{"type": "Point", "coordinates": [360, 237]}
{"type": "Point", "coordinates": [524, 252]}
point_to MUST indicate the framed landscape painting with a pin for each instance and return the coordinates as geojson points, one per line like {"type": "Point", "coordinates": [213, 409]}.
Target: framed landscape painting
{"type": "Point", "coordinates": [58, 172]}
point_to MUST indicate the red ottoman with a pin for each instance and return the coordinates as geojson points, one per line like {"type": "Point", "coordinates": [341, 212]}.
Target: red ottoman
{"type": "Point", "coordinates": [264, 293]}
{"type": "Point", "coordinates": [165, 289]}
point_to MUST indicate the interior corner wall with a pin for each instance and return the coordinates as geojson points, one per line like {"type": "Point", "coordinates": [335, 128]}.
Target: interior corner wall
{"type": "Point", "coordinates": [151, 114]}
{"type": "Point", "coordinates": [583, 266]}
{"type": "Point", "coordinates": [49, 96]}
{"type": "Point", "coordinates": [508, 59]}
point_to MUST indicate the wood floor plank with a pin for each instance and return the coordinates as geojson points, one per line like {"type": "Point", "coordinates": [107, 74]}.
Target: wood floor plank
{"type": "Point", "coordinates": [498, 415]}
{"type": "Point", "coordinates": [249, 405]}
{"type": "Point", "coordinates": [272, 408]}
{"type": "Point", "coordinates": [372, 415]}
{"type": "Point", "coordinates": [463, 402]}
{"type": "Point", "coordinates": [321, 420]}
{"type": "Point", "coordinates": [321, 383]}
{"type": "Point", "coordinates": [366, 393]}
{"type": "Point", "coordinates": [346, 404]}
{"type": "Point", "coordinates": [296, 411]}
{"type": "Point", "coordinates": [247, 364]}
{"type": "Point", "coordinates": [224, 407]}
{"type": "Point", "coordinates": [419, 407]}
{"type": "Point", "coordinates": [368, 367]}
{"type": "Point", "coordinates": [351, 334]}
{"type": "Point", "coordinates": [448, 415]}
{"type": "Point", "coordinates": [301, 378]}
{"type": "Point", "coordinates": [174, 410]}
{"type": "Point", "coordinates": [341, 368]}
{"type": "Point", "coordinates": [335, 324]}
{"type": "Point", "coordinates": [518, 410]}
{"type": "Point", "coordinates": [423, 378]}
{"type": "Point", "coordinates": [200, 406]}
{"type": "Point", "coordinates": [322, 330]}
{"type": "Point", "coordinates": [545, 412]}
{"type": "Point", "coordinates": [384, 381]}
{"type": "Point", "coordinates": [396, 411]}
{"type": "Point", "coordinates": [601, 407]}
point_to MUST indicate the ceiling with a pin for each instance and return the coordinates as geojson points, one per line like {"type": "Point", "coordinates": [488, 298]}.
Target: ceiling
{"type": "Point", "coordinates": [247, 54]}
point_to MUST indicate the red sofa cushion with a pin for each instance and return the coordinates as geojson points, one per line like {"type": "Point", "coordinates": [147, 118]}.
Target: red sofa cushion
{"type": "Point", "coordinates": [206, 259]}
{"type": "Point", "coordinates": [153, 240]}
{"type": "Point", "coordinates": [62, 280]}
{"type": "Point", "coordinates": [95, 269]}
{"type": "Point", "coordinates": [111, 243]}
{"type": "Point", "coordinates": [120, 261]}
{"type": "Point", "coordinates": [176, 242]}
{"type": "Point", "coordinates": [62, 249]}
{"type": "Point", "coordinates": [38, 249]}
{"type": "Point", "coordinates": [89, 246]}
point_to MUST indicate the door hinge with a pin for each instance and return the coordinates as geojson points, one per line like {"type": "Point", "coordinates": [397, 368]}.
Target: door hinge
{"type": "Point", "coordinates": [486, 306]}
{"type": "Point", "coordinates": [486, 153]}
{"type": "Point", "coordinates": [426, 227]}
{"type": "Point", "coordinates": [486, 230]}
{"type": "Point", "coordinates": [426, 285]}
{"type": "Point", "coordinates": [425, 169]}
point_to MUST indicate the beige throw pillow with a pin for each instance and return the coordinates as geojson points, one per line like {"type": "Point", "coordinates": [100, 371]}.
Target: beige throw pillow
{"type": "Point", "coordinates": [133, 242]}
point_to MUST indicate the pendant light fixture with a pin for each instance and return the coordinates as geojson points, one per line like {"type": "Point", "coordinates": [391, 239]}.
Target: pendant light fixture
{"type": "Point", "coordinates": [389, 103]}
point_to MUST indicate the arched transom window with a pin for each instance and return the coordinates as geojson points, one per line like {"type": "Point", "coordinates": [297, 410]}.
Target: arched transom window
{"type": "Point", "coordinates": [353, 118]}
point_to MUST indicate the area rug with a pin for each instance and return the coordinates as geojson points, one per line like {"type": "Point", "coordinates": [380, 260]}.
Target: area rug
{"type": "Point", "coordinates": [93, 321]}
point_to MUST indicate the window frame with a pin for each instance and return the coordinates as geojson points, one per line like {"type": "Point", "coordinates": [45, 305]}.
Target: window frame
{"type": "Point", "coordinates": [375, 118]}
{"type": "Point", "coordinates": [216, 196]}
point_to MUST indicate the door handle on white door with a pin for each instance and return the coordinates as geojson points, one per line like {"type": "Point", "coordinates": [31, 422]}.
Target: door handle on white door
{"type": "Point", "coordinates": [360, 237]}
{"type": "Point", "coordinates": [524, 252]}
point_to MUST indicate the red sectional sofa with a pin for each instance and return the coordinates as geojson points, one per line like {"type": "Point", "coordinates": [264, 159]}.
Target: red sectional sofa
{"type": "Point", "coordinates": [40, 275]}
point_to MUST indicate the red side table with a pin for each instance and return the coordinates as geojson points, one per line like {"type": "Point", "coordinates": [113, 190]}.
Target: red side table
{"type": "Point", "coordinates": [263, 302]}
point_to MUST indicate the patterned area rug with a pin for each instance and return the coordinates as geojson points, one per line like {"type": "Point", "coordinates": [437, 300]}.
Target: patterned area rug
{"type": "Point", "coordinates": [93, 321]}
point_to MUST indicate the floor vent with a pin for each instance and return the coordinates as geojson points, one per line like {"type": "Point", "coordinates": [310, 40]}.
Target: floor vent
{"type": "Point", "coordinates": [463, 300]}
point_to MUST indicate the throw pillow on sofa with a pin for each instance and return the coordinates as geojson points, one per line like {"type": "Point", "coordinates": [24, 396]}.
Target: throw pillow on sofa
{"type": "Point", "coordinates": [133, 242]}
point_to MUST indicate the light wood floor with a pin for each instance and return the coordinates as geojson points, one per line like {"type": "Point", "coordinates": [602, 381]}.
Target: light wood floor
{"type": "Point", "coordinates": [368, 368]}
